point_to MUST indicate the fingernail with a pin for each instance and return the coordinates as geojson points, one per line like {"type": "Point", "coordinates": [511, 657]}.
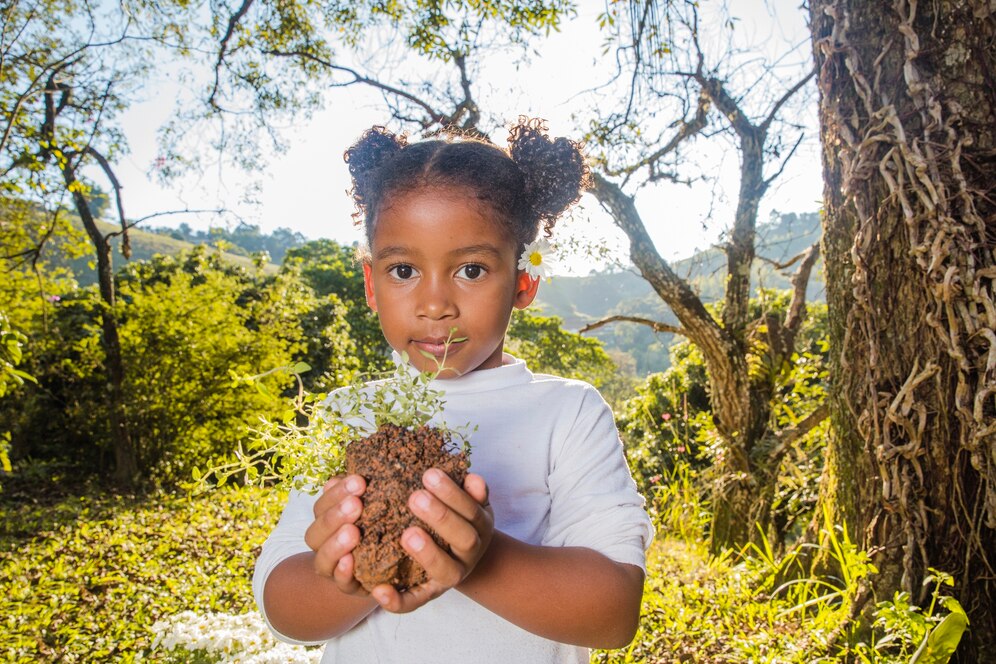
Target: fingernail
{"type": "Point", "coordinates": [416, 542]}
{"type": "Point", "coordinates": [380, 596]}
{"type": "Point", "coordinates": [348, 507]}
{"type": "Point", "coordinates": [343, 538]}
{"type": "Point", "coordinates": [354, 485]}
{"type": "Point", "coordinates": [433, 478]}
{"type": "Point", "coordinates": [422, 501]}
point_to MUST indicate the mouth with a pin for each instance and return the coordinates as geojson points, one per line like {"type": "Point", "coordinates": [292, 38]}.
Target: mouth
{"type": "Point", "coordinates": [437, 346]}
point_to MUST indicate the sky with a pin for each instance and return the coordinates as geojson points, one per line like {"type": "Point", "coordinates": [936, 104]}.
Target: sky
{"type": "Point", "coordinates": [305, 188]}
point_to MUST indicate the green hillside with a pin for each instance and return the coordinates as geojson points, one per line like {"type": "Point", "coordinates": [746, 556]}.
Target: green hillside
{"type": "Point", "coordinates": [145, 245]}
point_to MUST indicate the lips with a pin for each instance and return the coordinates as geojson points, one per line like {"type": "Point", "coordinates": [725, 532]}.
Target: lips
{"type": "Point", "coordinates": [437, 346]}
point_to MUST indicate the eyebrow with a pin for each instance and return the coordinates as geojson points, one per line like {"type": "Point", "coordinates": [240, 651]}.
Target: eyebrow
{"type": "Point", "coordinates": [477, 249]}
{"type": "Point", "coordinates": [391, 251]}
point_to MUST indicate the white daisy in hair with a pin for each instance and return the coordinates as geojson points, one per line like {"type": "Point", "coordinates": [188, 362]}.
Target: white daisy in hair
{"type": "Point", "coordinates": [536, 259]}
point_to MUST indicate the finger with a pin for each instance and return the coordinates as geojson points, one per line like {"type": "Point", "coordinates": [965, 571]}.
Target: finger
{"type": "Point", "coordinates": [458, 532]}
{"type": "Point", "coordinates": [337, 506]}
{"type": "Point", "coordinates": [475, 487]}
{"type": "Point", "coordinates": [344, 576]}
{"type": "Point", "coordinates": [338, 488]}
{"type": "Point", "coordinates": [397, 602]}
{"type": "Point", "coordinates": [441, 567]}
{"type": "Point", "coordinates": [328, 555]}
{"type": "Point", "coordinates": [445, 489]}
{"type": "Point", "coordinates": [331, 520]}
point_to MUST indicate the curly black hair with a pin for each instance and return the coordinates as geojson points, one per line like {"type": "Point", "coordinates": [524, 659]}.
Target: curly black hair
{"type": "Point", "coordinates": [528, 186]}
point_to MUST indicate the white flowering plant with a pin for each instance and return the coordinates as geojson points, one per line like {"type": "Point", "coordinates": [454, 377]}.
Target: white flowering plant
{"type": "Point", "coordinates": [224, 638]}
{"type": "Point", "coordinates": [306, 445]}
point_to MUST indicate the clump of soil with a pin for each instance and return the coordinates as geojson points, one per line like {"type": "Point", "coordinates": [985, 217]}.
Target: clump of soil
{"type": "Point", "coordinates": [392, 461]}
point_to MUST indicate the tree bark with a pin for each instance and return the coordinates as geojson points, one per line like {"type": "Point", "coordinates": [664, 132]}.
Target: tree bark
{"type": "Point", "coordinates": [125, 456]}
{"type": "Point", "coordinates": [908, 127]}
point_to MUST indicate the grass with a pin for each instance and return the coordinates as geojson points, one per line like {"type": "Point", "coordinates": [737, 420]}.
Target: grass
{"type": "Point", "coordinates": [83, 578]}
{"type": "Point", "coordinates": [702, 609]}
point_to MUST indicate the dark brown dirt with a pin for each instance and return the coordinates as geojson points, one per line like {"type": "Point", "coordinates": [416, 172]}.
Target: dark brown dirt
{"type": "Point", "coordinates": [392, 461]}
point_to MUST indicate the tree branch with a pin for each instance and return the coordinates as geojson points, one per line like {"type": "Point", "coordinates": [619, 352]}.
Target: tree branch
{"type": "Point", "coordinates": [687, 130]}
{"type": "Point", "coordinates": [766, 123]}
{"type": "Point", "coordinates": [797, 305]}
{"type": "Point", "coordinates": [656, 325]}
{"type": "Point", "coordinates": [233, 23]}
{"type": "Point", "coordinates": [434, 115]}
{"type": "Point", "coordinates": [781, 167]}
{"type": "Point", "coordinates": [785, 438]}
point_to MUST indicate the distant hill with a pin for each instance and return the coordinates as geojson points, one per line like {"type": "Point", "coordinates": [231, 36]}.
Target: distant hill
{"type": "Point", "coordinates": [582, 300]}
{"type": "Point", "coordinates": [144, 245]}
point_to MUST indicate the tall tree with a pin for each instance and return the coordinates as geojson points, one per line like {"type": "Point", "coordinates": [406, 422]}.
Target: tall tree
{"type": "Point", "coordinates": [908, 126]}
{"type": "Point", "coordinates": [703, 96]}
{"type": "Point", "coordinates": [68, 69]}
{"type": "Point", "coordinates": [746, 357]}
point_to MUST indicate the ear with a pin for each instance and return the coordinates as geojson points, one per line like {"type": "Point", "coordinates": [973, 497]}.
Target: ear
{"type": "Point", "coordinates": [525, 290]}
{"type": "Point", "coordinates": [368, 285]}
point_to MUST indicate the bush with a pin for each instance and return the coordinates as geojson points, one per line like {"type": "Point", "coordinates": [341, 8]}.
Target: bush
{"type": "Point", "coordinates": [189, 327]}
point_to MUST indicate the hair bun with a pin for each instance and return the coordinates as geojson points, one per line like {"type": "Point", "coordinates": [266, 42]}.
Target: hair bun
{"type": "Point", "coordinates": [376, 146]}
{"type": "Point", "coordinates": [555, 171]}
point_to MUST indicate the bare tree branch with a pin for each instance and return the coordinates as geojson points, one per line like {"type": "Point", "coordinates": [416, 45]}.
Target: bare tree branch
{"type": "Point", "coordinates": [766, 123]}
{"type": "Point", "coordinates": [797, 305]}
{"type": "Point", "coordinates": [656, 325]}
{"type": "Point", "coordinates": [233, 23]}
{"type": "Point", "coordinates": [109, 172]}
{"type": "Point", "coordinates": [687, 130]}
{"type": "Point", "coordinates": [781, 167]}
{"type": "Point", "coordinates": [434, 115]}
{"type": "Point", "coordinates": [784, 264]}
{"type": "Point", "coordinates": [785, 438]}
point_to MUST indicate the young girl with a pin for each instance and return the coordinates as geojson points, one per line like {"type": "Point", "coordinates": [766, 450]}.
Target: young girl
{"type": "Point", "coordinates": [548, 534]}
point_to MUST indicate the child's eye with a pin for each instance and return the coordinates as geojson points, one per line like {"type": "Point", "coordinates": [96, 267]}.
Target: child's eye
{"type": "Point", "coordinates": [402, 272]}
{"type": "Point", "coordinates": [471, 271]}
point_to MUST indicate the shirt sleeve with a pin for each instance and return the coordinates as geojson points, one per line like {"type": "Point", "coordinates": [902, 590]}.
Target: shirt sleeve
{"type": "Point", "coordinates": [594, 500]}
{"type": "Point", "coordinates": [286, 540]}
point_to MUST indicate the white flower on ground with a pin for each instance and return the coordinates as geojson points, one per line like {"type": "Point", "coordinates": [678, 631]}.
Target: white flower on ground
{"type": "Point", "coordinates": [535, 259]}
{"type": "Point", "coordinates": [227, 639]}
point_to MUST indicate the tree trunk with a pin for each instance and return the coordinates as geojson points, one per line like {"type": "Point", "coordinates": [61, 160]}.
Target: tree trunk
{"type": "Point", "coordinates": [125, 456]}
{"type": "Point", "coordinates": [908, 126]}
{"type": "Point", "coordinates": [740, 409]}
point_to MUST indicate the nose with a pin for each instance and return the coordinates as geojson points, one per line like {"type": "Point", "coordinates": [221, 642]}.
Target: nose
{"type": "Point", "coordinates": [434, 300]}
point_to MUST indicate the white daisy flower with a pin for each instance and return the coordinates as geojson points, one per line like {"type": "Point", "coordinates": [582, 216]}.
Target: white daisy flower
{"type": "Point", "coordinates": [535, 259]}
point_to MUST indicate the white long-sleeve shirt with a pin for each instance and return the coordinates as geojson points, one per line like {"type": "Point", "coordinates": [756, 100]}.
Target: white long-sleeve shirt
{"type": "Point", "coordinates": [551, 455]}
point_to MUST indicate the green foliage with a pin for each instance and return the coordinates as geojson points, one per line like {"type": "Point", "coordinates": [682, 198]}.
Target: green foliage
{"type": "Point", "coordinates": [84, 578]}
{"type": "Point", "coordinates": [11, 342]}
{"type": "Point", "coordinates": [901, 627]}
{"type": "Point", "coordinates": [702, 609]}
{"type": "Point", "coordinates": [666, 424]}
{"type": "Point", "coordinates": [670, 419]}
{"type": "Point", "coordinates": [548, 348]}
{"type": "Point", "coordinates": [678, 504]}
{"type": "Point", "coordinates": [333, 270]}
{"type": "Point", "coordinates": [185, 323]}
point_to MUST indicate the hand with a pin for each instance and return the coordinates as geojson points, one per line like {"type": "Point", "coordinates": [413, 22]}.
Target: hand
{"type": "Point", "coordinates": [465, 521]}
{"type": "Point", "coordinates": [333, 535]}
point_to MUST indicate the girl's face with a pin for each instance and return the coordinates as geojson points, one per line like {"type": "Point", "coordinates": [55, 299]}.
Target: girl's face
{"type": "Point", "coordinates": [438, 262]}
